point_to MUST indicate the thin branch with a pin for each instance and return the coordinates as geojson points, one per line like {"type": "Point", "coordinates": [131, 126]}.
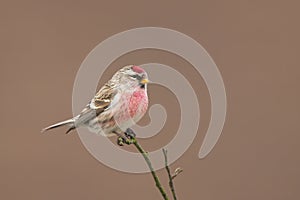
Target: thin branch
{"type": "Point", "coordinates": [177, 172]}
{"type": "Point", "coordinates": [155, 177]}
{"type": "Point", "coordinates": [169, 174]}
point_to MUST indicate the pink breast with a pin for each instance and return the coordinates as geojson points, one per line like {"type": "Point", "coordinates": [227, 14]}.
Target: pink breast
{"type": "Point", "coordinates": [132, 110]}
{"type": "Point", "coordinates": [138, 103]}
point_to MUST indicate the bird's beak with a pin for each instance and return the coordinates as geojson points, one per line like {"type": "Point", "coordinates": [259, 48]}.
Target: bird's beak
{"type": "Point", "coordinates": [144, 81]}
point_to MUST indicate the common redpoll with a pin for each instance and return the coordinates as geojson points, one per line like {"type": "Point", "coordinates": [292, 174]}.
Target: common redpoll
{"type": "Point", "coordinates": [117, 106]}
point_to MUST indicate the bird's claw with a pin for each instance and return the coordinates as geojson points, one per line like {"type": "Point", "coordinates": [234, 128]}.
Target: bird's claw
{"type": "Point", "coordinates": [130, 134]}
{"type": "Point", "coordinates": [128, 139]}
{"type": "Point", "coordinates": [122, 140]}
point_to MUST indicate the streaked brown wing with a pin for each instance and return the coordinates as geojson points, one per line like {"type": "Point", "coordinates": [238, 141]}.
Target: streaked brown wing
{"type": "Point", "coordinates": [104, 97]}
{"type": "Point", "coordinates": [97, 105]}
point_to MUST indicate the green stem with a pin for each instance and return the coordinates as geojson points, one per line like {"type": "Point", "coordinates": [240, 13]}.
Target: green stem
{"type": "Point", "coordinates": [155, 177]}
{"type": "Point", "coordinates": [169, 174]}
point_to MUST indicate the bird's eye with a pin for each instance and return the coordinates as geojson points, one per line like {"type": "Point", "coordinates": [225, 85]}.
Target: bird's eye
{"type": "Point", "coordinates": [134, 76]}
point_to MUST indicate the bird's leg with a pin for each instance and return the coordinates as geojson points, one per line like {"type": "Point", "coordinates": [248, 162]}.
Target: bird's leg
{"type": "Point", "coordinates": [129, 133]}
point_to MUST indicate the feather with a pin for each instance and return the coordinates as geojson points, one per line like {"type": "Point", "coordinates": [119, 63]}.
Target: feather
{"type": "Point", "coordinates": [69, 122]}
{"type": "Point", "coordinates": [97, 105]}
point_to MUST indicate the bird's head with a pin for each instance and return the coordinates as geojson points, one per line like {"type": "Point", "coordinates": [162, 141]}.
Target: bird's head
{"type": "Point", "coordinates": [132, 76]}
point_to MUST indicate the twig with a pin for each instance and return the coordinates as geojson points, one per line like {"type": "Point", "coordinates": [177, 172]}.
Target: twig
{"type": "Point", "coordinates": [169, 174]}
{"type": "Point", "coordinates": [155, 177]}
{"type": "Point", "coordinates": [177, 171]}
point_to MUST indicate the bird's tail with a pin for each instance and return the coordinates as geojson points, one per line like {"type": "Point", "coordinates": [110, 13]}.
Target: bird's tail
{"type": "Point", "coordinates": [69, 122]}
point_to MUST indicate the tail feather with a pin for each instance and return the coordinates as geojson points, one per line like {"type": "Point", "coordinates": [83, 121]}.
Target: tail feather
{"type": "Point", "coordinates": [69, 122]}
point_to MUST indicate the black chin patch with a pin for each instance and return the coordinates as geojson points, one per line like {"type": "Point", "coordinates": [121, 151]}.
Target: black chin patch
{"type": "Point", "coordinates": [142, 86]}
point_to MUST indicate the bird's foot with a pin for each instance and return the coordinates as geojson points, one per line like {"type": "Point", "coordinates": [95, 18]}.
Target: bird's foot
{"type": "Point", "coordinates": [127, 139]}
{"type": "Point", "coordinates": [123, 140]}
{"type": "Point", "coordinates": [120, 141]}
{"type": "Point", "coordinates": [130, 134]}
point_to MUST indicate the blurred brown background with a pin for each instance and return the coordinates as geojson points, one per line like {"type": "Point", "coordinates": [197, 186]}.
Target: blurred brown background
{"type": "Point", "coordinates": [255, 45]}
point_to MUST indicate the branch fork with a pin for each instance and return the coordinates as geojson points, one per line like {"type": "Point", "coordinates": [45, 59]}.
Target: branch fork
{"type": "Point", "coordinates": [131, 139]}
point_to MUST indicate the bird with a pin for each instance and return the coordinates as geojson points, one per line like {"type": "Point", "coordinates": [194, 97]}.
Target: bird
{"type": "Point", "coordinates": [118, 105]}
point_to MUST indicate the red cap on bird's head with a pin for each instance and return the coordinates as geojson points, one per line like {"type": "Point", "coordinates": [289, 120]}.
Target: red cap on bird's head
{"type": "Point", "coordinates": [137, 69]}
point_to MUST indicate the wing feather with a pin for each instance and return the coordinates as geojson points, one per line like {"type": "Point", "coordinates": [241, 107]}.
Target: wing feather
{"type": "Point", "coordinates": [98, 104]}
